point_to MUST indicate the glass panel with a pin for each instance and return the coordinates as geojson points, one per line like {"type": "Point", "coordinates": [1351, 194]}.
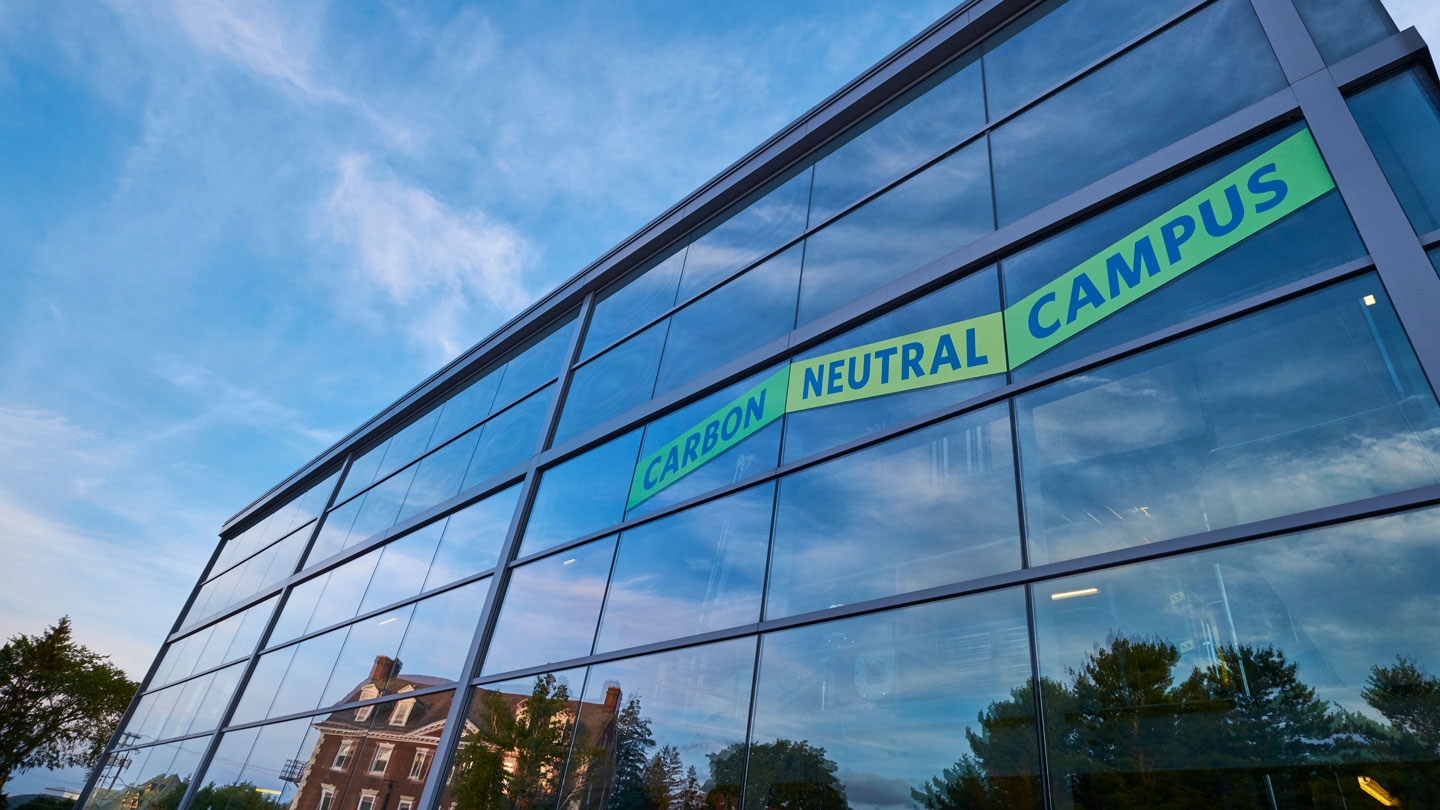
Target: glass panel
{"type": "Point", "coordinates": [1435, 258]}
{"type": "Point", "coordinates": [260, 689]}
{"type": "Point", "coordinates": [1344, 27]}
{"type": "Point", "coordinates": [265, 772]}
{"type": "Point", "coordinates": [192, 693]}
{"type": "Point", "coordinates": [654, 724]}
{"type": "Point", "coordinates": [1130, 107]}
{"type": "Point", "coordinates": [466, 407]}
{"type": "Point", "coordinates": [407, 445]}
{"type": "Point", "coordinates": [612, 383]}
{"type": "Point", "coordinates": [400, 574]}
{"type": "Point", "coordinates": [439, 637]}
{"type": "Point", "coordinates": [943, 499]}
{"type": "Point", "coordinates": [938, 210]}
{"type": "Point", "coordinates": [334, 531]}
{"type": "Point", "coordinates": [298, 610]}
{"type": "Point", "coordinates": [509, 438]}
{"type": "Point", "coordinates": [1401, 121]}
{"type": "Point", "coordinates": [582, 495]}
{"type": "Point", "coordinates": [251, 627]}
{"type": "Point", "coordinates": [309, 671]}
{"type": "Point", "coordinates": [699, 570]}
{"type": "Point", "coordinates": [344, 589]}
{"type": "Point", "coordinates": [287, 558]}
{"type": "Point", "coordinates": [473, 537]}
{"type": "Point", "coordinates": [925, 707]}
{"type": "Point", "coordinates": [221, 780]}
{"type": "Point", "coordinates": [518, 736]}
{"type": "Point", "coordinates": [1279, 673]}
{"type": "Point", "coordinates": [745, 314]}
{"type": "Point", "coordinates": [362, 471]}
{"type": "Point", "coordinates": [1057, 39]}
{"type": "Point", "coordinates": [925, 122]}
{"type": "Point", "coordinates": [184, 653]}
{"type": "Point", "coordinates": [756, 454]}
{"type": "Point", "coordinates": [162, 704]}
{"type": "Point", "coordinates": [1313, 402]}
{"type": "Point", "coordinates": [369, 657]}
{"type": "Point", "coordinates": [745, 236]}
{"type": "Point", "coordinates": [810, 431]}
{"type": "Point", "coordinates": [217, 698]}
{"type": "Point", "coordinates": [551, 607]}
{"type": "Point", "coordinates": [540, 362]}
{"type": "Point", "coordinates": [1314, 238]}
{"type": "Point", "coordinates": [439, 475]}
{"type": "Point", "coordinates": [380, 506]}
{"type": "Point", "coordinates": [633, 302]}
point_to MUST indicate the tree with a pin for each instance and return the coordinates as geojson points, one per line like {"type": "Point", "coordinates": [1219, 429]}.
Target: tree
{"type": "Point", "coordinates": [782, 775]}
{"type": "Point", "coordinates": [59, 702]}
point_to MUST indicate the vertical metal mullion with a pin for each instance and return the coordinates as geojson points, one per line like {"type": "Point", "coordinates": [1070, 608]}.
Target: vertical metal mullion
{"type": "Point", "coordinates": [448, 744]}
{"type": "Point", "coordinates": [254, 659]}
{"type": "Point", "coordinates": [1289, 38]}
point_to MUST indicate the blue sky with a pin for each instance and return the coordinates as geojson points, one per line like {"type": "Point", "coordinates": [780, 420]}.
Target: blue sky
{"type": "Point", "coordinates": [231, 230]}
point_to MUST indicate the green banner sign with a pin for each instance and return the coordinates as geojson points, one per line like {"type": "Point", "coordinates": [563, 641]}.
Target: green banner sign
{"type": "Point", "coordinates": [1253, 197]}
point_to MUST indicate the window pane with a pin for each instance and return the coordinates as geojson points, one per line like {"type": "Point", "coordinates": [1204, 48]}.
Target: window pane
{"type": "Point", "coordinates": [368, 657]}
{"type": "Point", "coordinates": [1343, 27]}
{"type": "Point", "coordinates": [943, 499]}
{"type": "Point", "coordinates": [362, 471]}
{"type": "Point", "coordinates": [182, 656]}
{"type": "Point", "coordinates": [308, 673]}
{"type": "Point", "coordinates": [299, 607]}
{"type": "Point", "coordinates": [1283, 672]}
{"type": "Point", "coordinates": [509, 438]}
{"type": "Point", "coordinates": [526, 720]}
{"type": "Point", "coordinates": [380, 506]}
{"type": "Point", "coordinates": [536, 364]}
{"type": "Point", "coordinates": [924, 123]}
{"type": "Point", "coordinates": [1057, 39]}
{"type": "Point", "coordinates": [1435, 258]}
{"type": "Point", "coordinates": [407, 445]}
{"type": "Point", "coordinates": [344, 589]}
{"type": "Point", "coordinates": [745, 314]}
{"type": "Point", "coordinates": [1130, 107]}
{"type": "Point", "coordinates": [473, 537]}
{"type": "Point", "coordinates": [582, 495]}
{"type": "Point", "coordinates": [333, 532]}
{"type": "Point", "coordinates": [439, 475]}
{"type": "Point", "coordinates": [755, 454]}
{"type": "Point", "coordinates": [402, 567]}
{"type": "Point", "coordinates": [939, 210]}
{"type": "Point", "coordinates": [699, 570]}
{"type": "Point", "coordinates": [217, 699]}
{"type": "Point", "coordinates": [633, 302]}
{"type": "Point", "coordinates": [928, 706]}
{"type": "Point", "coordinates": [745, 236]}
{"type": "Point", "coordinates": [810, 431]}
{"type": "Point", "coordinates": [1317, 237]}
{"type": "Point", "coordinates": [466, 407]}
{"type": "Point", "coordinates": [220, 636]}
{"type": "Point", "coordinates": [551, 608]}
{"type": "Point", "coordinates": [260, 689]}
{"type": "Point", "coordinates": [187, 703]}
{"type": "Point", "coordinates": [248, 635]}
{"type": "Point", "coordinates": [1314, 402]}
{"type": "Point", "coordinates": [657, 722]}
{"type": "Point", "coordinates": [612, 383]}
{"type": "Point", "coordinates": [1401, 121]}
{"type": "Point", "coordinates": [439, 637]}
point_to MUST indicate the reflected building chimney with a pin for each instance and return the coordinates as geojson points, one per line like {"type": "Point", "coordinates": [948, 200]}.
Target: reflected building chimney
{"type": "Point", "coordinates": [384, 669]}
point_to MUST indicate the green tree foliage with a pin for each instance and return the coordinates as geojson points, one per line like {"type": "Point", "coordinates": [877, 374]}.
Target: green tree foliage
{"type": "Point", "coordinates": [633, 740]}
{"type": "Point", "coordinates": [59, 702]}
{"type": "Point", "coordinates": [783, 775]}
{"type": "Point", "coordinates": [238, 796]}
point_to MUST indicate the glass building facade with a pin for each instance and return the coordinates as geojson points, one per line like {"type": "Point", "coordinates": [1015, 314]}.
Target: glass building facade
{"type": "Point", "coordinates": [1046, 420]}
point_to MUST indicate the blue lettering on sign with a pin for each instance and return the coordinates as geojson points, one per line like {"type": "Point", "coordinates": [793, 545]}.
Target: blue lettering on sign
{"type": "Point", "coordinates": [1277, 189]}
{"type": "Point", "coordinates": [884, 355]}
{"type": "Point", "coordinates": [833, 383]}
{"type": "Point", "coordinates": [650, 480]}
{"type": "Point", "coordinates": [910, 356]}
{"type": "Point", "coordinates": [945, 353]}
{"type": "Point", "coordinates": [1177, 232]}
{"type": "Point", "coordinates": [1038, 329]}
{"type": "Point", "coordinates": [864, 377]}
{"type": "Point", "coordinates": [1237, 213]}
{"type": "Point", "coordinates": [1083, 294]}
{"type": "Point", "coordinates": [1117, 270]}
{"type": "Point", "coordinates": [755, 409]}
{"type": "Point", "coordinates": [813, 377]}
{"type": "Point", "coordinates": [973, 359]}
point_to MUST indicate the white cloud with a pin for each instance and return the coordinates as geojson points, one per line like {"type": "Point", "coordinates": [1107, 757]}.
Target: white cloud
{"type": "Point", "coordinates": [1423, 14]}
{"type": "Point", "coordinates": [439, 273]}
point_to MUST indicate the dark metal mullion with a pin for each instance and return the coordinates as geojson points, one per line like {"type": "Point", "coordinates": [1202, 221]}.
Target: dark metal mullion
{"type": "Point", "coordinates": [249, 667]}
{"type": "Point", "coordinates": [1353, 511]}
{"type": "Point", "coordinates": [450, 736]}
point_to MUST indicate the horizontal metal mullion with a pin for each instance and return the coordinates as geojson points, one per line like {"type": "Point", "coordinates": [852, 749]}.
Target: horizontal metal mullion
{"type": "Point", "coordinates": [202, 673]}
{"type": "Point", "coordinates": [167, 741]}
{"type": "Point", "coordinates": [1386, 56]}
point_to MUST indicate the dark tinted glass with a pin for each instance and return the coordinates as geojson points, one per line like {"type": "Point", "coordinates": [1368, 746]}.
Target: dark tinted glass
{"type": "Point", "coordinates": [509, 438]}
{"type": "Point", "coordinates": [745, 314]}
{"type": "Point", "coordinates": [1057, 39]}
{"type": "Point", "coordinates": [810, 431]}
{"type": "Point", "coordinates": [1314, 238]}
{"type": "Point", "coordinates": [1401, 121]}
{"type": "Point", "coordinates": [696, 571]}
{"type": "Point", "coordinates": [466, 407]}
{"type": "Point", "coordinates": [938, 210]}
{"type": "Point", "coordinates": [532, 367]}
{"type": "Point", "coordinates": [1314, 402]}
{"type": "Point", "coordinates": [1280, 673]}
{"type": "Point", "coordinates": [582, 495]}
{"type": "Point", "coordinates": [612, 383]}
{"type": "Point", "coordinates": [439, 475]}
{"type": "Point", "coordinates": [926, 707]}
{"type": "Point", "coordinates": [473, 537]}
{"type": "Point", "coordinates": [1343, 27]}
{"type": "Point", "coordinates": [924, 123]}
{"type": "Point", "coordinates": [924, 509]}
{"type": "Point", "coordinates": [658, 722]}
{"type": "Point", "coordinates": [756, 454]}
{"type": "Point", "coordinates": [633, 302]}
{"type": "Point", "coordinates": [400, 573]}
{"type": "Point", "coordinates": [1435, 258]}
{"type": "Point", "coordinates": [551, 608]}
{"type": "Point", "coordinates": [367, 658]}
{"type": "Point", "coordinates": [1133, 106]}
{"type": "Point", "coordinates": [529, 722]}
{"type": "Point", "coordinates": [745, 236]}
{"type": "Point", "coordinates": [439, 636]}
